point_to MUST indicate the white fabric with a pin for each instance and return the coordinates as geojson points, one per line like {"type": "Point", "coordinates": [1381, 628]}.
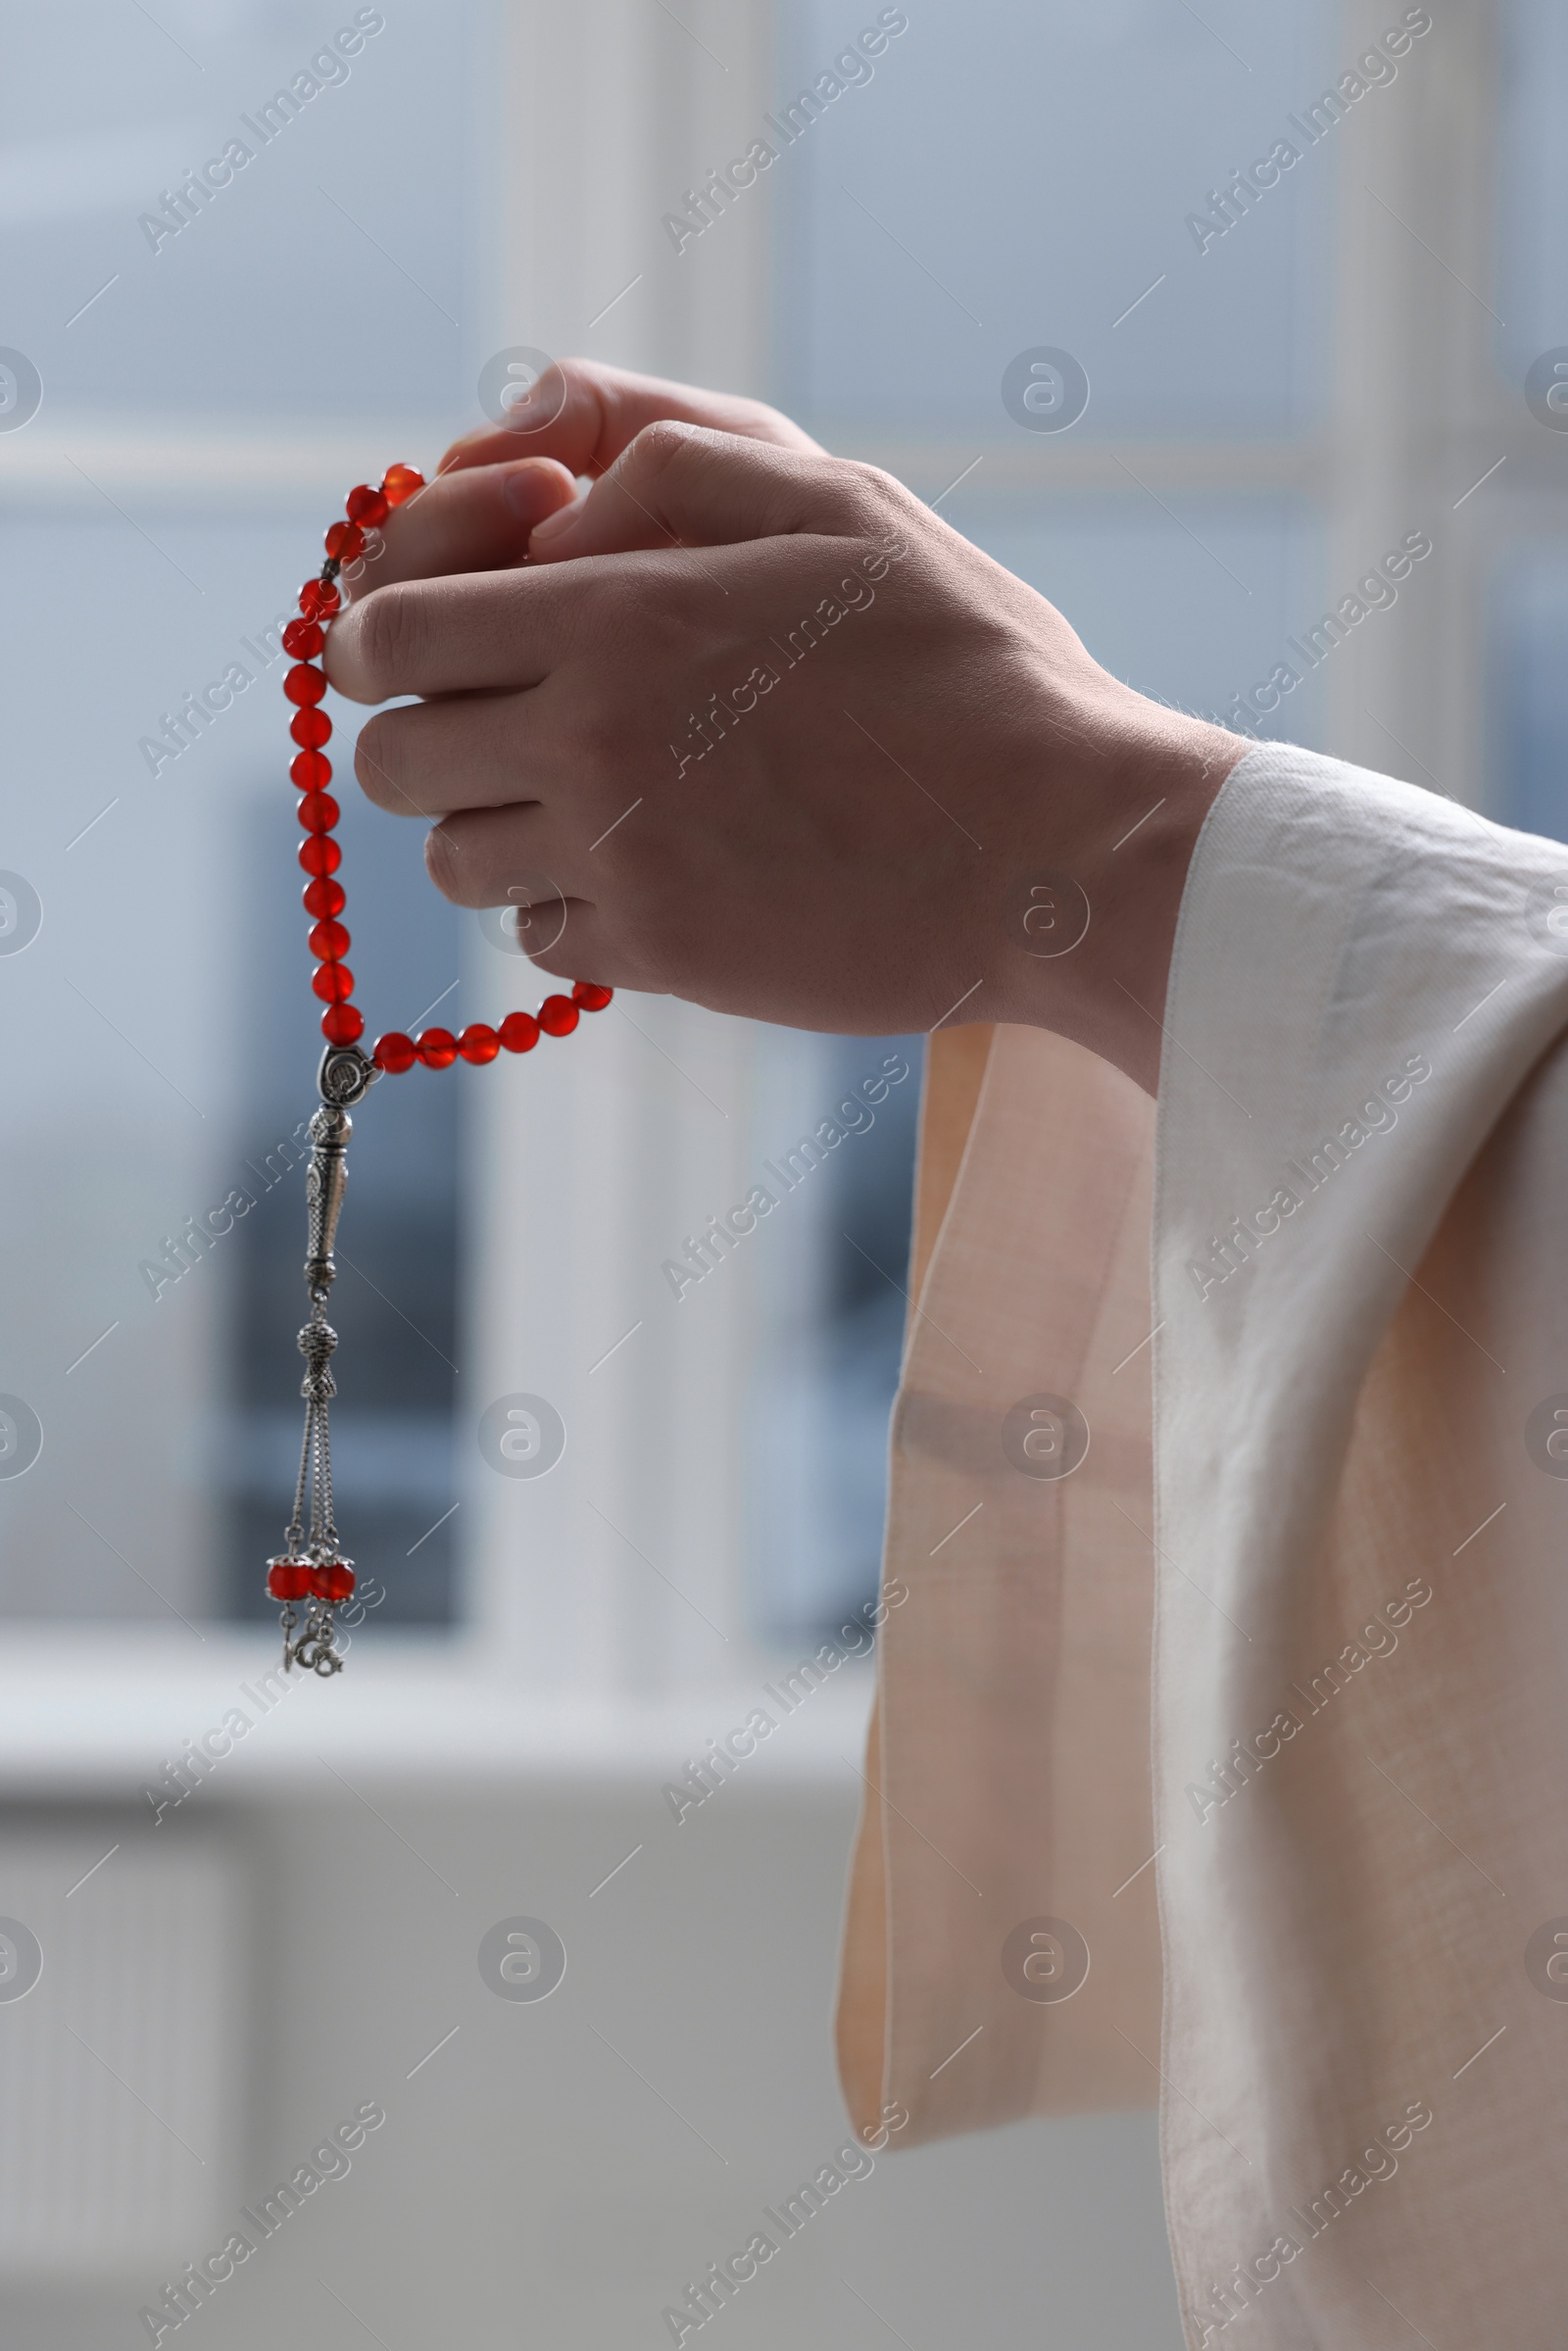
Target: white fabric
{"type": "Point", "coordinates": [1344, 1934]}
{"type": "Point", "coordinates": [1358, 1556]}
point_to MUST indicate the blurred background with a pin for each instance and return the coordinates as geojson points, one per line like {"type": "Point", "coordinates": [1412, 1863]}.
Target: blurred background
{"type": "Point", "coordinates": [1247, 396]}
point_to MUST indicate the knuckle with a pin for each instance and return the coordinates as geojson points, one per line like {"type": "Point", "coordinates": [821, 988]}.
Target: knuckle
{"type": "Point", "coordinates": [875, 495]}
{"type": "Point", "coordinates": [663, 438]}
{"type": "Point", "coordinates": [664, 443]}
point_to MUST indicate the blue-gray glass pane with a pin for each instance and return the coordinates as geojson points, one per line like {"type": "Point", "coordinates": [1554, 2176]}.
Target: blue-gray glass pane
{"type": "Point", "coordinates": [833, 1130]}
{"type": "Point", "coordinates": [161, 1052]}
{"type": "Point", "coordinates": [1194, 601]}
{"type": "Point", "coordinates": [321, 263]}
{"type": "Point", "coordinates": [1532, 208]}
{"type": "Point", "coordinates": [1007, 177]}
{"type": "Point", "coordinates": [1529, 691]}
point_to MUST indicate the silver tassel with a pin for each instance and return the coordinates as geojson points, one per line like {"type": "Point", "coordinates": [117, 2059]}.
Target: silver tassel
{"type": "Point", "coordinates": [311, 1567]}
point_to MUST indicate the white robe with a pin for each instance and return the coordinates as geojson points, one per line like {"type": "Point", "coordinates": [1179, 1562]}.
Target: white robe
{"type": "Point", "coordinates": [1319, 1540]}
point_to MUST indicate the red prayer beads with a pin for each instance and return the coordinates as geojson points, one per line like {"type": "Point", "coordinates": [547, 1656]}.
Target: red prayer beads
{"type": "Point", "coordinates": [438, 1047]}
{"type": "Point", "coordinates": [341, 1024]}
{"type": "Point", "coordinates": [311, 1569]}
{"type": "Point", "coordinates": [319, 598]}
{"type": "Point", "coordinates": [321, 854]}
{"type": "Point", "coordinates": [305, 1579]}
{"type": "Point", "coordinates": [310, 728]}
{"type": "Point", "coordinates": [319, 813]}
{"type": "Point", "coordinates": [329, 941]}
{"type": "Point", "coordinates": [395, 1053]}
{"type": "Point", "coordinates": [519, 1032]}
{"type": "Point", "coordinates": [311, 771]}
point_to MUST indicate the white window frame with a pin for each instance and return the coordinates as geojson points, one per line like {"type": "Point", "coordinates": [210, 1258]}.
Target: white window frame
{"type": "Point", "coordinates": [591, 1163]}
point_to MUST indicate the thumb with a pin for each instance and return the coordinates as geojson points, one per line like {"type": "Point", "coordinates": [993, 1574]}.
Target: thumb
{"type": "Point", "coordinates": [476, 520]}
{"type": "Point", "coordinates": [685, 485]}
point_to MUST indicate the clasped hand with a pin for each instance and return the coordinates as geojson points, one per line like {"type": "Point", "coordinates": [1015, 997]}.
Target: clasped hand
{"type": "Point", "coordinates": [787, 744]}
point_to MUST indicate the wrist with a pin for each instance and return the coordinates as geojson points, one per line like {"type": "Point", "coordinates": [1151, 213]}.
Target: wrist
{"type": "Point", "coordinates": [1106, 851]}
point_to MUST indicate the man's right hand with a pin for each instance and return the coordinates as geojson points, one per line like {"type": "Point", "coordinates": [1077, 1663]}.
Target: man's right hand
{"type": "Point", "coordinates": [903, 749]}
{"type": "Point", "coordinates": [493, 484]}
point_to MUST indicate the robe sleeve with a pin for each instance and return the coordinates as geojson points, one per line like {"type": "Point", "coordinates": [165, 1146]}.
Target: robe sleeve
{"type": "Point", "coordinates": [1230, 1519]}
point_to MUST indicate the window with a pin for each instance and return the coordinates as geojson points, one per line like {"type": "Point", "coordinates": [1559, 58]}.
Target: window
{"type": "Point", "coordinates": [219, 358]}
{"type": "Point", "coordinates": [1289, 375]}
{"type": "Point", "coordinates": [1528, 638]}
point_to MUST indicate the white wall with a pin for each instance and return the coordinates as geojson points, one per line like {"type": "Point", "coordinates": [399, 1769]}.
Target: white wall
{"type": "Point", "coordinates": [556, 2172]}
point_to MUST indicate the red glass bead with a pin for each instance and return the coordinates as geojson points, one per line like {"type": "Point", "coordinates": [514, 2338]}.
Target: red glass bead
{"type": "Point", "coordinates": [320, 853]}
{"type": "Point", "coordinates": [319, 598]}
{"type": "Point", "coordinates": [438, 1047]}
{"type": "Point", "coordinates": [558, 1016]}
{"type": "Point", "coordinates": [310, 771]}
{"type": "Point", "coordinates": [333, 983]}
{"type": "Point", "coordinates": [311, 729]}
{"type": "Point", "coordinates": [519, 1032]}
{"type": "Point", "coordinates": [303, 640]}
{"type": "Point", "coordinates": [345, 541]}
{"type": "Point", "coordinates": [400, 482]}
{"type": "Point", "coordinates": [395, 1053]}
{"type": "Point", "coordinates": [288, 1578]}
{"type": "Point", "coordinates": [304, 683]}
{"type": "Point", "coordinates": [323, 897]}
{"type": "Point", "coordinates": [365, 504]}
{"type": "Point", "coordinates": [333, 1582]}
{"type": "Point", "coordinates": [318, 812]}
{"type": "Point", "coordinates": [590, 995]}
{"type": "Point", "coordinates": [341, 1024]}
{"type": "Point", "coordinates": [478, 1043]}
{"type": "Point", "coordinates": [329, 942]}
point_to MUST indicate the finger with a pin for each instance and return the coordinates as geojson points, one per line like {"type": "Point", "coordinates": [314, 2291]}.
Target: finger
{"type": "Point", "coordinates": [684, 485]}
{"type": "Point", "coordinates": [497, 858]}
{"type": "Point", "coordinates": [492, 631]}
{"type": "Point", "coordinates": [501, 856]}
{"type": "Point", "coordinates": [585, 415]}
{"type": "Point", "coordinates": [467, 751]}
{"type": "Point", "coordinates": [506, 630]}
{"type": "Point", "coordinates": [478, 520]}
{"type": "Point", "coordinates": [456, 636]}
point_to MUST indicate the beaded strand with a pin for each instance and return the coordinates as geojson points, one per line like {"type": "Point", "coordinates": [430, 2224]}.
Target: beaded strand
{"type": "Point", "coordinates": [311, 773]}
{"type": "Point", "coordinates": [311, 1569]}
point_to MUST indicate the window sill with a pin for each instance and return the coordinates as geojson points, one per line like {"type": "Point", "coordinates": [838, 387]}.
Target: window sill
{"type": "Point", "coordinates": [85, 1714]}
